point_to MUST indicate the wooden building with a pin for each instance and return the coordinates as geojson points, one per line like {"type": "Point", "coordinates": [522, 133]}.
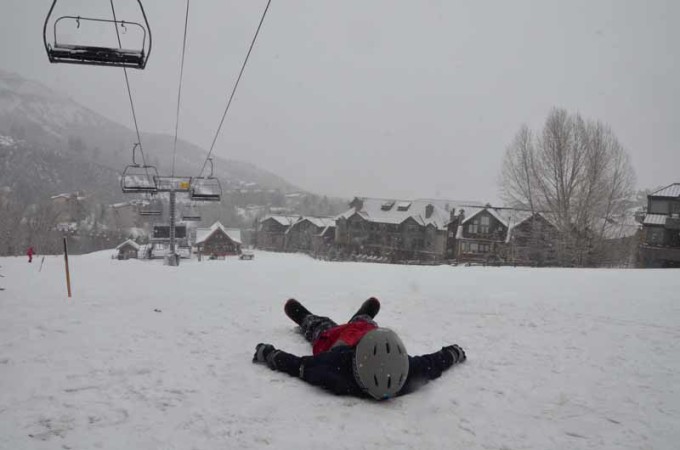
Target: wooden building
{"type": "Point", "coordinates": [532, 239]}
{"type": "Point", "coordinates": [217, 241]}
{"type": "Point", "coordinates": [310, 234]}
{"type": "Point", "coordinates": [660, 242]}
{"type": "Point", "coordinates": [397, 229]}
{"type": "Point", "coordinates": [481, 235]}
{"type": "Point", "coordinates": [271, 231]}
{"type": "Point", "coordinates": [127, 250]}
{"type": "Point", "coordinates": [495, 235]}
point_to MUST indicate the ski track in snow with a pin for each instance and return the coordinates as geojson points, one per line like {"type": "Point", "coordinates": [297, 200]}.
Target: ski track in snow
{"type": "Point", "coordinates": [558, 358]}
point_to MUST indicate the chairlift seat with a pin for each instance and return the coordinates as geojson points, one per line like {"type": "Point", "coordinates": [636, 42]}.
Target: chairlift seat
{"type": "Point", "coordinates": [191, 215]}
{"type": "Point", "coordinates": [147, 211]}
{"type": "Point", "coordinates": [97, 55]}
{"type": "Point", "coordinates": [138, 183]}
{"type": "Point", "coordinates": [205, 195]}
{"type": "Point", "coordinates": [59, 52]}
{"type": "Point", "coordinates": [137, 178]}
{"type": "Point", "coordinates": [206, 190]}
{"type": "Point", "coordinates": [153, 208]}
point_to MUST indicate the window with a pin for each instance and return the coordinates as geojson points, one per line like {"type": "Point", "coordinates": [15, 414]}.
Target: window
{"type": "Point", "coordinates": [475, 247]}
{"type": "Point", "coordinates": [473, 228]}
{"type": "Point", "coordinates": [485, 225]}
{"type": "Point", "coordinates": [675, 208]}
{"type": "Point", "coordinates": [659, 207]}
{"type": "Point", "coordinates": [655, 236]}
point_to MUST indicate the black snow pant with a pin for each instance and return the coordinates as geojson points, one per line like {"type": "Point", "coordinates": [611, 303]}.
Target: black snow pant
{"type": "Point", "coordinates": [312, 326]}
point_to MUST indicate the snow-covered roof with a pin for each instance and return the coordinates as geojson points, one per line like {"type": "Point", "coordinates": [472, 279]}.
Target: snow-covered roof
{"type": "Point", "coordinates": [505, 219]}
{"type": "Point", "coordinates": [672, 190]}
{"type": "Point", "coordinates": [320, 222]}
{"type": "Point", "coordinates": [655, 219]}
{"type": "Point", "coordinates": [286, 221]}
{"type": "Point", "coordinates": [396, 212]}
{"type": "Point", "coordinates": [129, 242]}
{"type": "Point", "coordinates": [202, 234]}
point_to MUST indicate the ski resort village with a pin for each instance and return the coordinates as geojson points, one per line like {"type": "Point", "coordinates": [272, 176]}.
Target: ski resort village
{"type": "Point", "coordinates": [343, 225]}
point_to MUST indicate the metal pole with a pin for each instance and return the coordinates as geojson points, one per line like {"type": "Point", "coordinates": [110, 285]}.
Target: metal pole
{"type": "Point", "coordinates": [171, 258]}
{"type": "Point", "coordinates": [172, 221]}
{"type": "Point", "coordinates": [68, 274]}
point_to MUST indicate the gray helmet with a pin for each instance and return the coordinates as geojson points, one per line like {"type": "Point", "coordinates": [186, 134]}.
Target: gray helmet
{"type": "Point", "coordinates": [381, 363]}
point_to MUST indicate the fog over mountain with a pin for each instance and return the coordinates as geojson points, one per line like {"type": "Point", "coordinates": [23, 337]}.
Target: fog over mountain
{"type": "Point", "coordinates": [53, 144]}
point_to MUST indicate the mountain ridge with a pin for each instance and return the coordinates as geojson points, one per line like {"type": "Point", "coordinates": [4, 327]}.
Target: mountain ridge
{"type": "Point", "coordinates": [42, 120]}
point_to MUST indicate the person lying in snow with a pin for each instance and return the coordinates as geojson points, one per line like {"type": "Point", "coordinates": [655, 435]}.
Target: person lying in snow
{"type": "Point", "coordinates": [357, 358]}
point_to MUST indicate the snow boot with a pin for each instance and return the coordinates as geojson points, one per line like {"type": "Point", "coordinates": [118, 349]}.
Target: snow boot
{"type": "Point", "coordinates": [370, 308]}
{"type": "Point", "coordinates": [295, 311]}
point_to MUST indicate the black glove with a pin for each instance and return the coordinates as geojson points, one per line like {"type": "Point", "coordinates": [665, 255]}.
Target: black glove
{"type": "Point", "coordinates": [457, 353]}
{"type": "Point", "coordinates": [266, 354]}
{"type": "Point", "coordinates": [261, 352]}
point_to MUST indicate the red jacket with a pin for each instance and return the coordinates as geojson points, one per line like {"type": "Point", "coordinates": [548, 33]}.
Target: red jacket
{"type": "Point", "coordinates": [350, 333]}
{"type": "Point", "coordinates": [30, 251]}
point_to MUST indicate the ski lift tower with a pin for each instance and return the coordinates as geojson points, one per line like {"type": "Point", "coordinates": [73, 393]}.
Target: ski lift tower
{"type": "Point", "coordinates": [144, 179]}
{"type": "Point", "coordinates": [172, 185]}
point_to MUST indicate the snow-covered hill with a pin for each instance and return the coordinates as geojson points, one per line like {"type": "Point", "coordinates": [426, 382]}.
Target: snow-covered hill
{"type": "Point", "coordinates": [558, 358]}
{"type": "Point", "coordinates": [46, 121]}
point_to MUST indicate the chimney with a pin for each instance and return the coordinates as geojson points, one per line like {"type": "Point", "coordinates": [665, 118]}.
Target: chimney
{"type": "Point", "coordinates": [357, 204]}
{"type": "Point", "coordinates": [452, 215]}
{"type": "Point", "coordinates": [429, 209]}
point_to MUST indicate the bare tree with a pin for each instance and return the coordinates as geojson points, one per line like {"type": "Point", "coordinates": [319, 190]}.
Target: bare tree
{"type": "Point", "coordinates": [516, 174]}
{"type": "Point", "coordinates": [576, 171]}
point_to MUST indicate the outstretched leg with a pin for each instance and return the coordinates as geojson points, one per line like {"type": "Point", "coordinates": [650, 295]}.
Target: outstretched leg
{"type": "Point", "coordinates": [310, 324]}
{"type": "Point", "coordinates": [369, 308]}
{"type": "Point", "coordinates": [295, 311]}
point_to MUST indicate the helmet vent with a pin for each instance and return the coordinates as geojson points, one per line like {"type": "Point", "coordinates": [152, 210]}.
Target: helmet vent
{"type": "Point", "coordinates": [400, 350]}
{"type": "Point", "coordinates": [375, 379]}
{"type": "Point", "coordinates": [401, 378]}
{"type": "Point", "coordinates": [389, 381]}
{"type": "Point", "coordinates": [387, 347]}
{"type": "Point", "coordinates": [375, 349]}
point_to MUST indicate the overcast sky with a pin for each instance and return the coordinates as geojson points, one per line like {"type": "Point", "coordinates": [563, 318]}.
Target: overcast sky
{"type": "Point", "coordinates": [385, 98]}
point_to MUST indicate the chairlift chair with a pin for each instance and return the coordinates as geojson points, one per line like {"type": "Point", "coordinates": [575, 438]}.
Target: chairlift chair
{"type": "Point", "coordinates": [191, 214]}
{"type": "Point", "coordinates": [206, 189]}
{"type": "Point", "coordinates": [139, 178]}
{"type": "Point", "coordinates": [59, 51]}
{"type": "Point", "coordinates": [153, 207]}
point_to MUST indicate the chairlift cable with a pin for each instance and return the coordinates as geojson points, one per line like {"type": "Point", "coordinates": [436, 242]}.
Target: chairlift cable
{"type": "Point", "coordinates": [179, 91]}
{"type": "Point", "coordinates": [127, 83]}
{"type": "Point", "coordinates": [231, 97]}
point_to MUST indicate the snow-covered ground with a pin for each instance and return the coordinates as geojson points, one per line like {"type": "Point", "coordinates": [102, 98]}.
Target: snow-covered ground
{"type": "Point", "coordinates": [558, 358]}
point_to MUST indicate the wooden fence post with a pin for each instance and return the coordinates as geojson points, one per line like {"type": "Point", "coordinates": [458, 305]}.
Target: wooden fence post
{"type": "Point", "coordinates": [68, 274]}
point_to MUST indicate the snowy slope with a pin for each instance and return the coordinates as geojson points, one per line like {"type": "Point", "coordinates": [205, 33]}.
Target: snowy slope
{"type": "Point", "coordinates": [558, 358]}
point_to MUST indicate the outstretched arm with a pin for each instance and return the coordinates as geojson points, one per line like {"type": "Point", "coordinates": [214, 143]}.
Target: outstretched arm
{"type": "Point", "coordinates": [277, 359]}
{"type": "Point", "coordinates": [329, 370]}
{"type": "Point", "coordinates": [428, 367]}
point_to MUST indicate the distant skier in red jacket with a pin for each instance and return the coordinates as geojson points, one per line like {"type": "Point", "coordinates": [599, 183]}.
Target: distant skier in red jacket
{"type": "Point", "coordinates": [30, 254]}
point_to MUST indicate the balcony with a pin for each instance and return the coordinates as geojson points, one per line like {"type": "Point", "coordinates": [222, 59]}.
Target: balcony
{"type": "Point", "coordinates": [673, 222]}
{"type": "Point", "coordinates": [660, 254]}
